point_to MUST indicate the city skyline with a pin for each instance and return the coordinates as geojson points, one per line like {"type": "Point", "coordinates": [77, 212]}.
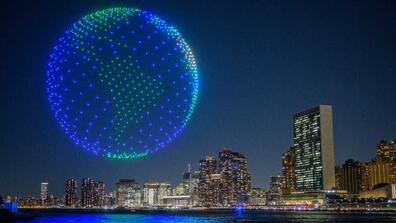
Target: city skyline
{"type": "Point", "coordinates": [225, 181]}
{"type": "Point", "coordinates": [269, 186]}
{"type": "Point", "coordinates": [306, 124]}
{"type": "Point", "coordinates": [258, 69]}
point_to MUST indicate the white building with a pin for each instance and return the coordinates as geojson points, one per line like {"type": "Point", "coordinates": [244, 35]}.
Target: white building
{"type": "Point", "coordinates": [154, 192]}
{"type": "Point", "coordinates": [44, 191]}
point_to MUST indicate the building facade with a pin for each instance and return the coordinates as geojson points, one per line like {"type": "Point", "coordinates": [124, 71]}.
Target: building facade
{"type": "Point", "coordinates": [353, 173]}
{"type": "Point", "coordinates": [87, 193]}
{"type": "Point", "coordinates": [128, 193]}
{"type": "Point", "coordinates": [44, 191]}
{"type": "Point", "coordinates": [190, 183]}
{"type": "Point", "coordinates": [99, 194]}
{"type": "Point", "coordinates": [236, 180]}
{"type": "Point", "coordinates": [276, 184]}
{"type": "Point", "coordinates": [224, 183]}
{"type": "Point", "coordinates": [289, 170]}
{"type": "Point", "coordinates": [208, 192]}
{"type": "Point", "coordinates": [258, 197]}
{"type": "Point", "coordinates": [314, 149]}
{"type": "Point", "coordinates": [379, 172]}
{"type": "Point", "coordinates": [71, 199]}
{"type": "Point", "coordinates": [154, 192]}
{"type": "Point", "coordinates": [386, 151]}
{"type": "Point", "coordinates": [339, 177]}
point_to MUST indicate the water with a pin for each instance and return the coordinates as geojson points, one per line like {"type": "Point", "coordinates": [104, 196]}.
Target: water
{"type": "Point", "coordinates": [216, 217]}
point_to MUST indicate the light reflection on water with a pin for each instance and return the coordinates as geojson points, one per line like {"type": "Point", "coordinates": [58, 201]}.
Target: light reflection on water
{"type": "Point", "coordinates": [240, 216]}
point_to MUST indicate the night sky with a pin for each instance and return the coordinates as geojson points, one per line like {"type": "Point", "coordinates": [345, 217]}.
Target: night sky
{"type": "Point", "coordinates": [259, 62]}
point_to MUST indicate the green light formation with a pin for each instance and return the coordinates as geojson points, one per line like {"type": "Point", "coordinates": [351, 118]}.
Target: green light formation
{"type": "Point", "coordinates": [132, 92]}
{"type": "Point", "coordinates": [126, 155]}
{"type": "Point", "coordinates": [106, 43]}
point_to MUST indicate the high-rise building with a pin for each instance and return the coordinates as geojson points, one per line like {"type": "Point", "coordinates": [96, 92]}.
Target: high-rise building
{"type": "Point", "coordinates": [99, 194]}
{"type": "Point", "coordinates": [71, 193]}
{"type": "Point", "coordinates": [214, 190]}
{"type": "Point", "coordinates": [87, 192]}
{"type": "Point", "coordinates": [241, 179]}
{"type": "Point", "coordinates": [236, 181]}
{"type": "Point", "coordinates": [128, 193]}
{"type": "Point", "coordinates": [314, 155]}
{"type": "Point", "coordinates": [187, 180]}
{"type": "Point", "coordinates": [289, 170]}
{"type": "Point", "coordinates": [226, 171]}
{"type": "Point", "coordinates": [227, 184]}
{"type": "Point", "coordinates": [386, 151]}
{"type": "Point", "coordinates": [154, 192]}
{"type": "Point", "coordinates": [353, 173]}
{"type": "Point", "coordinates": [209, 182]}
{"type": "Point", "coordinates": [191, 179]}
{"type": "Point", "coordinates": [44, 191]}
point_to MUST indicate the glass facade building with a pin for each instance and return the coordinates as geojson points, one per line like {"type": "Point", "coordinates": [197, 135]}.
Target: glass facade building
{"type": "Point", "coordinates": [314, 149]}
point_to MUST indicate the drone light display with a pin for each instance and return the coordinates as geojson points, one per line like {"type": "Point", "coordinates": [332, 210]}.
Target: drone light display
{"type": "Point", "coordinates": [122, 83]}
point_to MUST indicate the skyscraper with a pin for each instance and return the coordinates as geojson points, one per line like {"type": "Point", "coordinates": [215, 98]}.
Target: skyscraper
{"type": "Point", "coordinates": [128, 193]}
{"type": "Point", "coordinates": [99, 194]}
{"type": "Point", "coordinates": [209, 182]}
{"type": "Point", "coordinates": [87, 192]}
{"type": "Point", "coordinates": [226, 171]}
{"type": "Point", "coordinates": [191, 178]}
{"type": "Point", "coordinates": [227, 184]}
{"type": "Point", "coordinates": [44, 191]}
{"type": "Point", "coordinates": [71, 193]}
{"type": "Point", "coordinates": [289, 170]}
{"type": "Point", "coordinates": [241, 179]}
{"type": "Point", "coordinates": [186, 186]}
{"type": "Point", "coordinates": [313, 142]}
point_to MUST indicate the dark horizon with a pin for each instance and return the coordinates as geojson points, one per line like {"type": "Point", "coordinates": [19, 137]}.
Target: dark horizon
{"type": "Point", "coordinates": [259, 64]}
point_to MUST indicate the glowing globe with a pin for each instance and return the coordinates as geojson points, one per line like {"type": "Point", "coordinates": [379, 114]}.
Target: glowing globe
{"type": "Point", "coordinates": [122, 83]}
